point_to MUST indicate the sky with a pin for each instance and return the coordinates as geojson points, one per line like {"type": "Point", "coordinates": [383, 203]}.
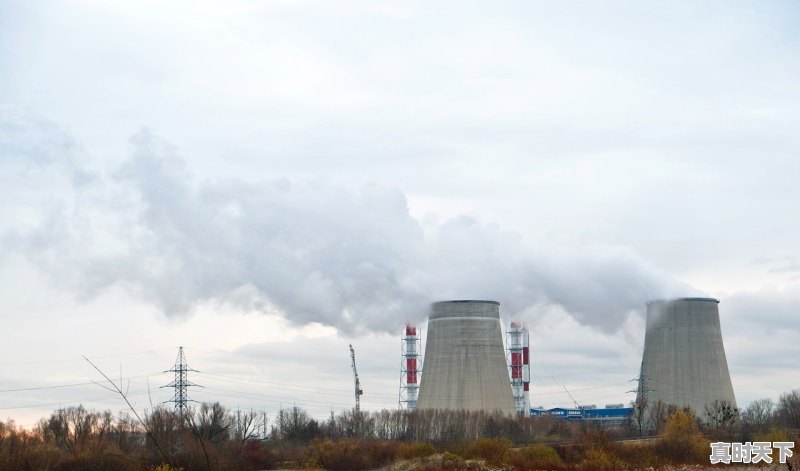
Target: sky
{"type": "Point", "coordinates": [265, 183]}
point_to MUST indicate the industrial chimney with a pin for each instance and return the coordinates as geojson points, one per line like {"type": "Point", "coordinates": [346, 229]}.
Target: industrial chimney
{"type": "Point", "coordinates": [465, 364]}
{"type": "Point", "coordinates": [517, 341]}
{"type": "Point", "coordinates": [684, 360]}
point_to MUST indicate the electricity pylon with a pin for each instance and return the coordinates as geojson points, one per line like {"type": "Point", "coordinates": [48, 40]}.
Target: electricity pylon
{"type": "Point", "coordinates": [181, 384]}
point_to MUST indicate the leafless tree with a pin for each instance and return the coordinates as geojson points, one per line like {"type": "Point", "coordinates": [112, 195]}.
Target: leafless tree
{"type": "Point", "coordinates": [294, 424]}
{"type": "Point", "coordinates": [245, 424]}
{"type": "Point", "coordinates": [640, 415]}
{"type": "Point", "coordinates": [660, 412]}
{"type": "Point", "coordinates": [758, 415]}
{"type": "Point", "coordinates": [721, 414]}
{"type": "Point", "coordinates": [210, 422]}
{"type": "Point", "coordinates": [788, 409]}
{"type": "Point", "coordinates": [164, 426]}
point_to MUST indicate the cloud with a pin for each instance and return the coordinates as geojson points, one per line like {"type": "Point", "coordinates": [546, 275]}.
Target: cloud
{"type": "Point", "coordinates": [312, 251]}
{"type": "Point", "coordinates": [765, 311]}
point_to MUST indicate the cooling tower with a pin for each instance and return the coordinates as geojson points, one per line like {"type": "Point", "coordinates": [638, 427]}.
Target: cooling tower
{"type": "Point", "coordinates": [465, 363]}
{"type": "Point", "coordinates": [684, 360]}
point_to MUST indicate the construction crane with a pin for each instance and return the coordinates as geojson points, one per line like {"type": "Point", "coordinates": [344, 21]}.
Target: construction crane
{"type": "Point", "coordinates": [359, 392]}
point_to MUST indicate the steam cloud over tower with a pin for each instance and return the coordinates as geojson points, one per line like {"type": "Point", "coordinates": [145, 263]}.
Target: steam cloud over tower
{"type": "Point", "coordinates": [465, 363]}
{"type": "Point", "coordinates": [684, 360]}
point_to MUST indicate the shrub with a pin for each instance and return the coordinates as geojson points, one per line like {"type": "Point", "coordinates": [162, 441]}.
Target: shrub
{"type": "Point", "coordinates": [255, 455]}
{"type": "Point", "coordinates": [639, 455]}
{"type": "Point", "coordinates": [775, 434]}
{"type": "Point", "coordinates": [534, 457]}
{"type": "Point", "coordinates": [601, 459]}
{"type": "Point", "coordinates": [166, 467]}
{"type": "Point", "coordinates": [682, 442]}
{"type": "Point", "coordinates": [337, 456]}
{"type": "Point", "coordinates": [415, 450]}
{"type": "Point", "coordinates": [493, 450]}
{"type": "Point", "coordinates": [540, 453]}
{"type": "Point", "coordinates": [42, 456]}
{"type": "Point", "coordinates": [352, 454]}
{"type": "Point", "coordinates": [447, 462]}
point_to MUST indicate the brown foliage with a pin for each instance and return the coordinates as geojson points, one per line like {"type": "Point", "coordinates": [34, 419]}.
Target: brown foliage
{"type": "Point", "coordinates": [407, 451]}
{"type": "Point", "coordinates": [639, 456]}
{"type": "Point", "coordinates": [597, 458]}
{"type": "Point", "coordinates": [682, 442]}
{"type": "Point", "coordinates": [493, 450]}
{"type": "Point", "coordinates": [448, 462]}
{"type": "Point", "coordinates": [352, 454]}
{"type": "Point", "coordinates": [535, 457]}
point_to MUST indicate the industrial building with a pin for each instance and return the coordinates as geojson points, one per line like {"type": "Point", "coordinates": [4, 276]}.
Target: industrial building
{"type": "Point", "coordinates": [612, 414]}
{"type": "Point", "coordinates": [684, 360]}
{"type": "Point", "coordinates": [465, 363]}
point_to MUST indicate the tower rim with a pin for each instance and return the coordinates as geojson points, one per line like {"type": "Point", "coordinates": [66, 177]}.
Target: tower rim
{"type": "Point", "coordinates": [476, 301]}
{"type": "Point", "coordinates": [691, 299]}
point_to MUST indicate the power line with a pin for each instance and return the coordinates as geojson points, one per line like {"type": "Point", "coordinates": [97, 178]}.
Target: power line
{"type": "Point", "coordinates": [582, 389]}
{"type": "Point", "coordinates": [311, 388]}
{"type": "Point", "coordinates": [47, 387]}
{"type": "Point", "coordinates": [100, 398]}
{"type": "Point", "coordinates": [58, 386]}
{"type": "Point", "coordinates": [247, 395]}
{"type": "Point", "coordinates": [77, 359]}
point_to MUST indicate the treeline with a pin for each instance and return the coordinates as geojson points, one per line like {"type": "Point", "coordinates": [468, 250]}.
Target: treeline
{"type": "Point", "coordinates": [761, 420]}
{"type": "Point", "coordinates": [212, 437]}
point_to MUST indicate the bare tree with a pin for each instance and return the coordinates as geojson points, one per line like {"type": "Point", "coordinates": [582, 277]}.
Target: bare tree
{"type": "Point", "coordinates": [721, 414]}
{"type": "Point", "coordinates": [758, 415]}
{"type": "Point", "coordinates": [640, 415]}
{"type": "Point", "coordinates": [81, 424]}
{"type": "Point", "coordinates": [210, 422]}
{"type": "Point", "coordinates": [55, 429]}
{"type": "Point", "coordinates": [164, 426]}
{"type": "Point", "coordinates": [660, 412]}
{"type": "Point", "coordinates": [788, 409]}
{"type": "Point", "coordinates": [294, 424]}
{"type": "Point", "coordinates": [245, 424]}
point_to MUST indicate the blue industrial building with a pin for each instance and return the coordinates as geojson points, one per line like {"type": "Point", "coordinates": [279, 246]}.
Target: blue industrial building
{"type": "Point", "coordinates": [613, 414]}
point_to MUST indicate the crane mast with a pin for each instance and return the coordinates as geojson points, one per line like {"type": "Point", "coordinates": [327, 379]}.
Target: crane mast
{"type": "Point", "coordinates": [358, 391]}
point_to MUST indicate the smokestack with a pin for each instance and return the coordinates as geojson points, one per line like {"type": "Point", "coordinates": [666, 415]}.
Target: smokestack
{"type": "Point", "coordinates": [465, 364]}
{"type": "Point", "coordinates": [409, 368]}
{"type": "Point", "coordinates": [684, 360]}
{"type": "Point", "coordinates": [519, 367]}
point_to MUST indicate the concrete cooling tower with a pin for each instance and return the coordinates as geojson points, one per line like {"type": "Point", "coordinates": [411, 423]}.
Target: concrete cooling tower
{"type": "Point", "coordinates": [684, 360]}
{"type": "Point", "coordinates": [465, 363]}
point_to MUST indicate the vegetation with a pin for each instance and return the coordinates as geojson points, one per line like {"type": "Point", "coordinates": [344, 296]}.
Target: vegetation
{"type": "Point", "coordinates": [210, 437]}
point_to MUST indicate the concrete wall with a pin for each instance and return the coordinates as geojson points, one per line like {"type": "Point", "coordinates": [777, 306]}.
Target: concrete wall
{"type": "Point", "coordinates": [684, 360]}
{"type": "Point", "coordinates": [464, 360]}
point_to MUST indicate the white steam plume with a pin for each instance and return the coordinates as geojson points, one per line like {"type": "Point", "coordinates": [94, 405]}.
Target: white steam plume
{"type": "Point", "coordinates": [310, 251]}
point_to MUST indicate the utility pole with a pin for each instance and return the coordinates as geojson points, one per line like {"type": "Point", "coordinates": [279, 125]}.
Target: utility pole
{"type": "Point", "coordinates": [180, 384]}
{"type": "Point", "coordinates": [358, 390]}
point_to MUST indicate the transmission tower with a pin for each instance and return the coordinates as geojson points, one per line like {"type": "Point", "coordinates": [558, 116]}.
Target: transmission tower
{"type": "Point", "coordinates": [180, 384]}
{"type": "Point", "coordinates": [358, 391]}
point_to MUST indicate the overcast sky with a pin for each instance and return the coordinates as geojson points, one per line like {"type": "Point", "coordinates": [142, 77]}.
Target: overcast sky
{"type": "Point", "coordinates": [267, 182]}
